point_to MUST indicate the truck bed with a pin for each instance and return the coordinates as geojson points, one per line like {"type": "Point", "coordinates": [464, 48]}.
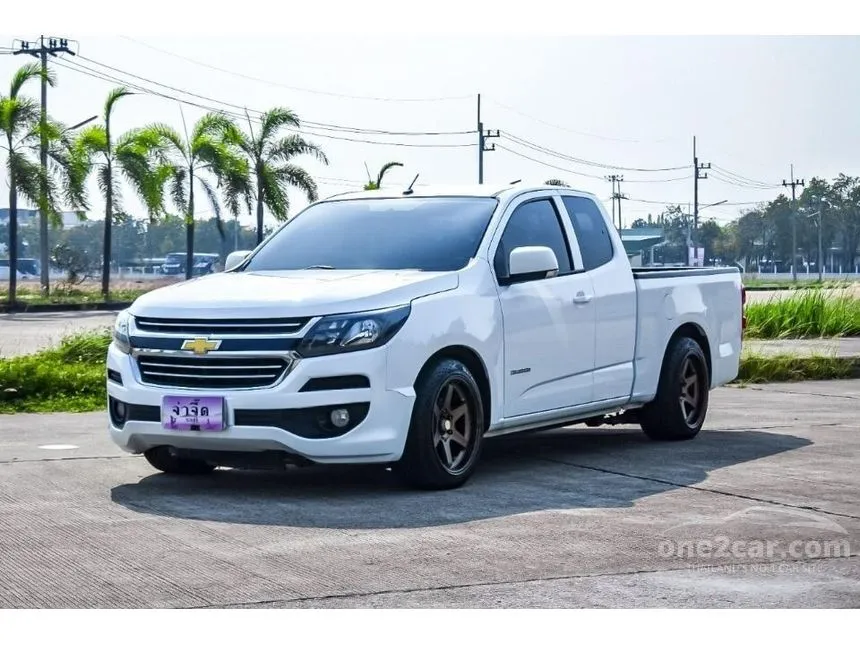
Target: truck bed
{"type": "Point", "coordinates": [643, 273]}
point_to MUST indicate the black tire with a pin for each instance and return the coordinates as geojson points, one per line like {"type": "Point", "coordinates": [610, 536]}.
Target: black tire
{"type": "Point", "coordinates": [678, 410]}
{"type": "Point", "coordinates": [161, 459]}
{"type": "Point", "coordinates": [444, 444]}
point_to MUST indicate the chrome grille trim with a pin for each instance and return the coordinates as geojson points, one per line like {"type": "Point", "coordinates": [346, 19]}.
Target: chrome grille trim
{"type": "Point", "coordinates": [222, 327]}
{"type": "Point", "coordinates": [182, 370]}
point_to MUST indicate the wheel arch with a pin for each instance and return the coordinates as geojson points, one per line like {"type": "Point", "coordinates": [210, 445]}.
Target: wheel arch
{"type": "Point", "coordinates": [695, 332]}
{"type": "Point", "coordinates": [474, 363]}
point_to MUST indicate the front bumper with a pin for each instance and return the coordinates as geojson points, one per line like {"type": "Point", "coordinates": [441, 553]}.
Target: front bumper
{"type": "Point", "coordinates": [378, 438]}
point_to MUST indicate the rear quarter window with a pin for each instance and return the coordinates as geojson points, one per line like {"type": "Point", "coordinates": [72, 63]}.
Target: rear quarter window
{"type": "Point", "coordinates": [588, 223]}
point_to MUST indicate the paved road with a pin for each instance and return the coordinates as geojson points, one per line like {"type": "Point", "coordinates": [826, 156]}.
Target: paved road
{"type": "Point", "coordinates": [577, 518]}
{"type": "Point", "coordinates": [27, 333]}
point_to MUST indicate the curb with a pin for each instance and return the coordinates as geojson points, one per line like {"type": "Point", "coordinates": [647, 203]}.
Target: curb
{"type": "Point", "coordinates": [799, 364]}
{"type": "Point", "coordinates": [21, 307]}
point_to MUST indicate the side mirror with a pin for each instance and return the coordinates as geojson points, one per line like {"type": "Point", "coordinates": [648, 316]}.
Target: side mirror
{"type": "Point", "coordinates": [235, 259]}
{"type": "Point", "coordinates": [532, 263]}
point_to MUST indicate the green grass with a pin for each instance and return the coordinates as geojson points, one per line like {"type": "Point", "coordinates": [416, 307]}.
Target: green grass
{"type": "Point", "coordinates": [758, 368]}
{"type": "Point", "coordinates": [807, 314]}
{"type": "Point", "coordinates": [69, 378]}
{"type": "Point", "coordinates": [71, 296]}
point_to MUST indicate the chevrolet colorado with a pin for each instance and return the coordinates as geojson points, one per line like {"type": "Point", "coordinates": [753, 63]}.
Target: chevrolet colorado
{"type": "Point", "coordinates": [405, 328]}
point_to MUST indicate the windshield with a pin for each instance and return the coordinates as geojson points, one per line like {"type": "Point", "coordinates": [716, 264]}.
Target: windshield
{"type": "Point", "coordinates": [424, 233]}
{"type": "Point", "coordinates": [175, 257]}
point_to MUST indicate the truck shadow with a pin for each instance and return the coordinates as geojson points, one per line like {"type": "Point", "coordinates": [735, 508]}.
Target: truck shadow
{"type": "Point", "coordinates": [568, 469]}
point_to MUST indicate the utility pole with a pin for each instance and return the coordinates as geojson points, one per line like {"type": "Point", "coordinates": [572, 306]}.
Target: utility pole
{"type": "Point", "coordinates": [52, 46]}
{"type": "Point", "coordinates": [616, 195]}
{"type": "Point", "coordinates": [482, 145]}
{"type": "Point", "coordinates": [793, 183]}
{"type": "Point", "coordinates": [696, 177]}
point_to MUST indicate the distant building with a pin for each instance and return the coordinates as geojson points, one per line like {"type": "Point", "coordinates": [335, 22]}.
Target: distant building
{"type": "Point", "coordinates": [28, 216]}
{"type": "Point", "coordinates": [639, 242]}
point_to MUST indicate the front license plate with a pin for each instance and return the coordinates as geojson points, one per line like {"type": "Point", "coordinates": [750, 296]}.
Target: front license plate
{"type": "Point", "coordinates": [205, 413]}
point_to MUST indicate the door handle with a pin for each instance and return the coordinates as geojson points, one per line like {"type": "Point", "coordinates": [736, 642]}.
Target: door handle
{"type": "Point", "coordinates": [582, 298]}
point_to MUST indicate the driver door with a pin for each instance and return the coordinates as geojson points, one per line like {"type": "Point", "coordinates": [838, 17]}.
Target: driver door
{"type": "Point", "coordinates": [549, 323]}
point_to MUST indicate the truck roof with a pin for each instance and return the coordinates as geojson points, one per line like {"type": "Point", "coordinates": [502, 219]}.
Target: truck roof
{"type": "Point", "coordinates": [453, 190]}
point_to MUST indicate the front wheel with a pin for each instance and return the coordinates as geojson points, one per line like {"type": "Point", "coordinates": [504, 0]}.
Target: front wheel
{"type": "Point", "coordinates": [447, 428]}
{"type": "Point", "coordinates": [679, 408]}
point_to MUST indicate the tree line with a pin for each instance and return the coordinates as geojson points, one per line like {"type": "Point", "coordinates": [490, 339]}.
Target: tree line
{"type": "Point", "coordinates": [761, 238]}
{"type": "Point", "coordinates": [248, 167]}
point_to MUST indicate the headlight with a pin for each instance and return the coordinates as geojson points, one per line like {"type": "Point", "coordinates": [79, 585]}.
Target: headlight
{"type": "Point", "coordinates": [120, 332]}
{"type": "Point", "coordinates": [351, 332]}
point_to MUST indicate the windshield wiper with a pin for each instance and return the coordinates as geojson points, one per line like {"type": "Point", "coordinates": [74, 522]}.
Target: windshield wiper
{"type": "Point", "coordinates": [319, 266]}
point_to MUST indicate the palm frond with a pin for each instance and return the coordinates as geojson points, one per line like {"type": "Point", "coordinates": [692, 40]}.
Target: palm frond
{"type": "Point", "coordinates": [212, 196]}
{"type": "Point", "coordinates": [293, 145]}
{"type": "Point", "coordinates": [28, 177]}
{"type": "Point", "coordinates": [178, 179]}
{"type": "Point", "coordinates": [161, 137]}
{"type": "Point", "coordinates": [92, 140]}
{"type": "Point", "coordinates": [18, 115]}
{"type": "Point", "coordinates": [298, 177]}
{"type": "Point", "coordinates": [275, 119]}
{"type": "Point", "coordinates": [385, 168]}
{"type": "Point", "coordinates": [211, 124]}
{"type": "Point", "coordinates": [113, 96]}
{"type": "Point", "coordinates": [275, 196]}
{"type": "Point", "coordinates": [27, 73]}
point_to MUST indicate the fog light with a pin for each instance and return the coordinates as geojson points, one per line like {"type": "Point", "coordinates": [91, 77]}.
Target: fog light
{"type": "Point", "coordinates": [118, 412]}
{"type": "Point", "coordinates": [339, 418]}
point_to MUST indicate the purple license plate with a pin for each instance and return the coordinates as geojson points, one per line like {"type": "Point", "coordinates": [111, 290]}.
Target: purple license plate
{"type": "Point", "coordinates": [204, 413]}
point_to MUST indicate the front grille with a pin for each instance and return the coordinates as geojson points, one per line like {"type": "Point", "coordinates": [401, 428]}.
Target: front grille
{"type": "Point", "coordinates": [245, 327]}
{"type": "Point", "coordinates": [211, 373]}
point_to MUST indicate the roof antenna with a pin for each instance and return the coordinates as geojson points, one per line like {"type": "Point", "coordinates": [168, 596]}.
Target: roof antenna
{"type": "Point", "coordinates": [515, 181]}
{"type": "Point", "coordinates": [409, 190]}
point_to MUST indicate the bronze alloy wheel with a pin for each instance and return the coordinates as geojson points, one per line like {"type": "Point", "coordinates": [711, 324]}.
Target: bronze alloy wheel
{"type": "Point", "coordinates": [454, 427]}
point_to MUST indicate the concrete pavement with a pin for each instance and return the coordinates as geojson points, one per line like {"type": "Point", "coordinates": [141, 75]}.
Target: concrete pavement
{"type": "Point", "coordinates": [761, 510]}
{"type": "Point", "coordinates": [27, 333]}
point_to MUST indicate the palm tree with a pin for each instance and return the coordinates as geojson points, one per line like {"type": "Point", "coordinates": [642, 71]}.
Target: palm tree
{"type": "Point", "coordinates": [272, 170]}
{"type": "Point", "coordinates": [211, 148]}
{"type": "Point", "coordinates": [20, 122]}
{"type": "Point", "coordinates": [376, 185]}
{"type": "Point", "coordinates": [556, 182]}
{"type": "Point", "coordinates": [129, 155]}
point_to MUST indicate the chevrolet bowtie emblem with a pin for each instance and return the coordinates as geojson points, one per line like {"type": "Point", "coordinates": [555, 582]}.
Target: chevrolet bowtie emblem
{"type": "Point", "coordinates": [201, 345]}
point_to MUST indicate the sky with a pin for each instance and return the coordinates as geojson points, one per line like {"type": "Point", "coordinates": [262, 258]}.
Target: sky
{"type": "Point", "coordinates": [590, 106]}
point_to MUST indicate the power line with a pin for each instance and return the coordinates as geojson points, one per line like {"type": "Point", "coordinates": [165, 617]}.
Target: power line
{"type": "Point", "coordinates": [87, 71]}
{"type": "Point", "coordinates": [579, 132]}
{"type": "Point", "coordinates": [294, 88]}
{"type": "Point", "coordinates": [321, 125]}
{"type": "Point", "coordinates": [548, 165]}
{"type": "Point", "coordinates": [746, 179]}
{"type": "Point", "coordinates": [560, 155]}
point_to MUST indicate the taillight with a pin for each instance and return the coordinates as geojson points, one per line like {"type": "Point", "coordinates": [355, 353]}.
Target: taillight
{"type": "Point", "coordinates": [743, 305]}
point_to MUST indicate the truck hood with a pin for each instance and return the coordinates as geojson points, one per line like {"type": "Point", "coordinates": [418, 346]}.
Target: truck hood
{"type": "Point", "coordinates": [277, 294]}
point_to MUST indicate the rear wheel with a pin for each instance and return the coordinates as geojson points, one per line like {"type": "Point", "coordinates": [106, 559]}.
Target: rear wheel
{"type": "Point", "coordinates": [678, 410]}
{"type": "Point", "coordinates": [446, 432]}
{"type": "Point", "coordinates": [163, 459]}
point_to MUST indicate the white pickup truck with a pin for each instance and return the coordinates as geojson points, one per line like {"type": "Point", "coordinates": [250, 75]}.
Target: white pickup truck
{"type": "Point", "coordinates": [405, 328]}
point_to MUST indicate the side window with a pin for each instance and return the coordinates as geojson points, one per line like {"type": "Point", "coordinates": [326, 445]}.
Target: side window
{"type": "Point", "coordinates": [534, 223]}
{"type": "Point", "coordinates": [590, 228]}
